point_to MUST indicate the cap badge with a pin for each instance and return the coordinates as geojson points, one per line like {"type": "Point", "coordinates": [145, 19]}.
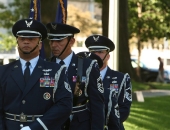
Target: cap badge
{"type": "Point", "coordinates": [28, 23]}
{"type": "Point", "coordinates": [53, 26]}
{"type": "Point", "coordinates": [96, 38]}
{"type": "Point", "coordinates": [87, 55]}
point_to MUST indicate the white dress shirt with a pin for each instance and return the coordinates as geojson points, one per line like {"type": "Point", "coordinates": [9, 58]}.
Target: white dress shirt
{"type": "Point", "coordinates": [33, 63]}
{"type": "Point", "coordinates": [103, 72]}
{"type": "Point", "coordinates": [67, 60]}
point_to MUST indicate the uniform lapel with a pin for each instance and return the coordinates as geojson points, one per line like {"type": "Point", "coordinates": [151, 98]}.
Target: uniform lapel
{"type": "Point", "coordinates": [72, 70]}
{"type": "Point", "coordinates": [35, 76]}
{"type": "Point", "coordinates": [107, 78]}
{"type": "Point", "coordinates": [17, 75]}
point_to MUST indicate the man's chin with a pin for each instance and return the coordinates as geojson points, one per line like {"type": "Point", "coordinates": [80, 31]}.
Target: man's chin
{"type": "Point", "coordinates": [56, 54]}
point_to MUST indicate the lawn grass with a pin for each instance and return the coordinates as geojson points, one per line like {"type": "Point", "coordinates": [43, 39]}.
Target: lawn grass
{"type": "Point", "coordinates": [153, 114]}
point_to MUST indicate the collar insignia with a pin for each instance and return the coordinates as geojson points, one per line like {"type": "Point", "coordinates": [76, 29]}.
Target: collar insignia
{"type": "Point", "coordinates": [73, 64]}
{"type": "Point", "coordinates": [16, 66]}
{"type": "Point", "coordinates": [108, 77]}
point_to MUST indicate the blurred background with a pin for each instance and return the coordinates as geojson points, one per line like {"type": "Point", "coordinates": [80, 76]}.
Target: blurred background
{"type": "Point", "coordinates": [143, 32]}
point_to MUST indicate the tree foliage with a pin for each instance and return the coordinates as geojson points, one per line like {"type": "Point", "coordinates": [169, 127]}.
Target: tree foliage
{"type": "Point", "coordinates": [12, 12]}
{"type": "Point", "coordinates": [83, 21]}
{"type": "Point", "coordinates": [7, 42]}
{"type": "Point", "coordinates": [149, 19]}
{"type": "Point", "coordinates": [19, 9]}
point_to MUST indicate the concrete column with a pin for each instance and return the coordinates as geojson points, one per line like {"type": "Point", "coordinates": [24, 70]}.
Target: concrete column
{"type": "Point", "coordinates": [113, 33]}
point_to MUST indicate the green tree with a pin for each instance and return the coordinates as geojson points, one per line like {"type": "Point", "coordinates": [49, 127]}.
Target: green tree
{"type": "Point", "coordinates": [124, 54]}
{"type": "Point", "coordinates": [83, 21]}
{"type": "Point", "coordinates": [19, 9]}
{"type": "Point", "coordinates": [76, 17]}
{"type": "Point", "coordinates": [12, 12]}
{"type": "Point", "coordinates": [7, 39]}
{"type": "Point", "coordinates": [148, 20]}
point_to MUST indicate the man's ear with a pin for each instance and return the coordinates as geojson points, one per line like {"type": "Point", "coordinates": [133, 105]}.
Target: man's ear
{"type": "Point", "coordinates": [40, 45]}
{"type": "Point", "coordinates": [108, 56]}
{"type": "Point", "coordinates": [72, 41]}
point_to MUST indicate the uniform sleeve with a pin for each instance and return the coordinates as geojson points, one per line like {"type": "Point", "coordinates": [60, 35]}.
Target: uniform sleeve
{"type": "Point", "coordinates": [96, 99]}
{"type": "Point", "coordinates": [61, 109]}
{"type": "Point", "coordinates": [125, 98]}
{"type": "Point", "coordinates": [1, 103]}
{"type": "Point", "coordinates": [112, 113]}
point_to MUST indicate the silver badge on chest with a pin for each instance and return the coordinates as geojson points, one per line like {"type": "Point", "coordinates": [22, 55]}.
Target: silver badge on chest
{"type": "Point", "coordinates": [47, 96]}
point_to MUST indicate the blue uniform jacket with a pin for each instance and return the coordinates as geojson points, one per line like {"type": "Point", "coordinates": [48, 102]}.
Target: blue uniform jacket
{"type": "Point", "coordinates": [122, 84]}
{"type": "Point", "coordinates": [34, 100]}
{"type": "Point", "coordinates": [93, 117]}
{"type": "Point", "coordinates": [112, 116]}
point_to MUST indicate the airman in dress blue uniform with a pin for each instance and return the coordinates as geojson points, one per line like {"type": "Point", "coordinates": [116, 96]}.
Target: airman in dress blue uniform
{"type": "Point", "coordinates": [112, 118]}
{"type": "Point", "coordinates": [84, 79]}
{"type": "Point", "coordinates": [113, 80]}
{"type": "Point", "coordinates": [36, 96]}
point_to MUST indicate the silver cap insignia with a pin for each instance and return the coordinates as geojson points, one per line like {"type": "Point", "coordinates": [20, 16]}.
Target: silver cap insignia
{"type": "Point", "coordinates": [96, 38]}
{"type": "Point", "coordinates": [53, 26]}
{"type": "Point", "coordinates": [28, 23]}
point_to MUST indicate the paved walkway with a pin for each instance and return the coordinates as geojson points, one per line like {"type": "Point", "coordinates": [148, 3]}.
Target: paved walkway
{"type": "Point", "coordinates": [154, 93]}
{"type": "Point", "coordinates": [140, 95]}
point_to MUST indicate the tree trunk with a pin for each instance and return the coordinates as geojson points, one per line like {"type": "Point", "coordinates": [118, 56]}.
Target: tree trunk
{"type": "Point", "coordinates": [105, 17]}
{"type": "Point", "coordinates": [124, 54]}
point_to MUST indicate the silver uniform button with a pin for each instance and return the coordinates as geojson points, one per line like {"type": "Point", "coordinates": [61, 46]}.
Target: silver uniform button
{"type": "Point", "coordinates": [21, 125]}
{"type": "Point", "coordinates": [23, 101]}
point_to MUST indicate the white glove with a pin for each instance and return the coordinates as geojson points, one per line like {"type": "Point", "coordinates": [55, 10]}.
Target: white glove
{"type": "Point", "coordinates": [26, 128]}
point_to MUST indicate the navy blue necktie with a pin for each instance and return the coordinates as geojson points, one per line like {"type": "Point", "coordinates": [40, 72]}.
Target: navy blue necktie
{"type": "Point", "coordinates": [61, 62]}
{"type": "Point", "coordinates": [27, 72]}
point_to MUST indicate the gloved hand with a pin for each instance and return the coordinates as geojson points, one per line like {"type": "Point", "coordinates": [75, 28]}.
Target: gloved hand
{"type": "Point", "coordinates": [26, 128]}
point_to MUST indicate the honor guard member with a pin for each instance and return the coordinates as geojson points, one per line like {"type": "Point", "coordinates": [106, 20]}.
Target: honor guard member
{"type": "Point", "coordinates": [112, 118]}
{"type": "Point", "coordinates": [34, 94]}
{"type": "Point", "coordinates": [113, 80]}
{"type": "Point", "coordinates": [84, 79]}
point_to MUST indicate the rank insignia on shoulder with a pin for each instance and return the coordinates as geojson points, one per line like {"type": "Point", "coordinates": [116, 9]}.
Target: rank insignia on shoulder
{"type": "Point", "coordinates": [117, 114]}
{"type": "Point", "coordinates": [47, 96]}
{"type": "Point", "coordinates": [96, 65]}
{"type": "Point", "coordinates": [67, 86]}
{"type": "Point", "coordinates": [100, 85]}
